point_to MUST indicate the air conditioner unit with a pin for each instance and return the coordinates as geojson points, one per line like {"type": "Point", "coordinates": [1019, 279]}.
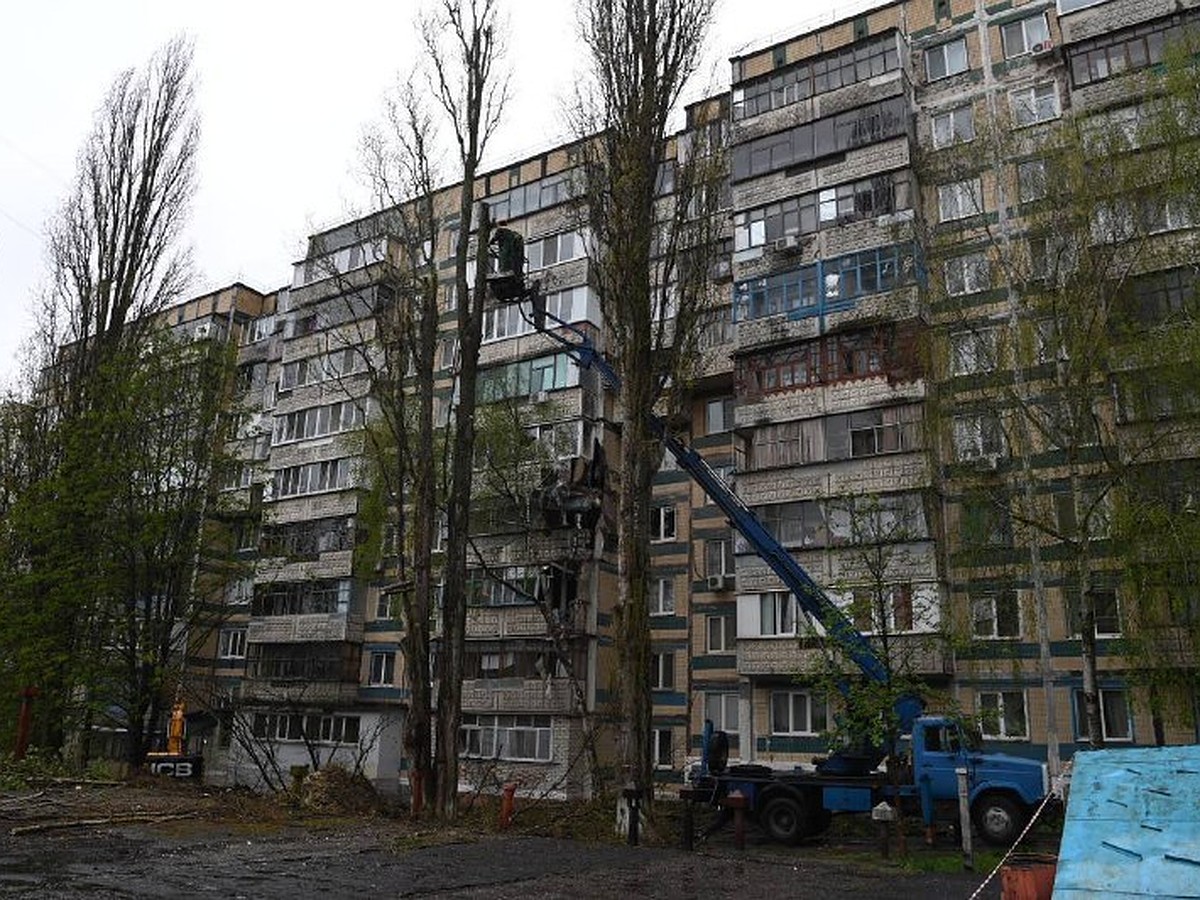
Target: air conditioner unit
{"type": "Point", "coordinates": [787, 242]}
{"type": "Point", "coordinates": [720, 582]}
{"type": "Point", "coordinates": [1042, 48]}
{"type": "Point", "coordinates": [202, 332]}
{"type": "Point", "coordinates": [539, 396]}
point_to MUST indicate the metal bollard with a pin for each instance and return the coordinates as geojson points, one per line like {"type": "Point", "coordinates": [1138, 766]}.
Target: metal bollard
{"type": "Point", "coordinates": [736, 801]}
{"type": "Point", "coordinates": [633, 800]}
{"type": "Point", "coordinates": [507, 793]}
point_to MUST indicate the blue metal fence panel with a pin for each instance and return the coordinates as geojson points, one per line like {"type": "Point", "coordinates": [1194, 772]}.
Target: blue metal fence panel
{"type": "Point", "coordinates": [1133, 825]}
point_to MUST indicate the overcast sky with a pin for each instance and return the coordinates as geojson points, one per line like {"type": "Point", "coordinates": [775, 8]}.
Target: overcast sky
{"type": "Point", "coordinates": [284, 91]}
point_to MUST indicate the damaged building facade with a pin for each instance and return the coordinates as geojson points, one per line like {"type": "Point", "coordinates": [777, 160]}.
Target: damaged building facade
{"type": "Point", "coordinates": [854, 389]}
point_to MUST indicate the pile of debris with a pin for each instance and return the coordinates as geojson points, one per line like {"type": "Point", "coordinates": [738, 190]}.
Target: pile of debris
{"type": "Point", "coordinates": [335, 791]}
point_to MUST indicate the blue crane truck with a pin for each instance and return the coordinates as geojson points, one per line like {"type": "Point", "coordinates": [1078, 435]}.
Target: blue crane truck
{"type": "Point", "coordinates": [790, 806]}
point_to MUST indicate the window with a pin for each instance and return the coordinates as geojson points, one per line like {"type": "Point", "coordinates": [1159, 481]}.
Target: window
{"type": "Point", "coordinates": [797, 524]}
{"type": "Point", "coordinates": [1002, 715]}
{"type": "Point", "coordinates": [978, 436]}
{"type": "Point", "coordinates": [986, 521]}
{"type": "Point", "coordinates": [996, 614]}
{"type": "Point", "coordinates": [1031, 180]}
{"type": "Point", "coordinates": [1116, 722]}
{"type": "Point", "coordinates": [853, 64]}
{"type": "Point", "coordinates": [331, 475]}
{"type": "Point", "coordinates": [555, 249]}
{"type": "Point", "coordinates": [527, 378]}
{"type": "Point", "coordinates": [293, 727]}
{"type": "Point", "coordinates": [664, 757]}
{"type": "Point", "coordinates": [718, 415]}
{"type": "Point", "coordinates": [967, 274]}
{"type": "Point", "coordinates": [1022, 36]}
{"type": "Point", "coordinates": [973, 351]}
{"type": "Point", "coordinates": [787, 444]}
{"type": "Point", "coordinates": [770, 225]}
{"type": "Point", "coordinates": [1106, 607]}
{"type": "Point", "coordinates": [874, 432]}
{"type": "Point", "coordinates": [517, 738]}
{"type": "Point", "coordinates": [845, 278]}
{"type": "Point", "coordinates": [239, 591]}
{"type": "Point", "coordinates": [662, 523]}
{"type": "Point", "coordinates": [777, 614]}
{"type": "Point", "coordinates": [797, 712]}
{"type": "Point", "coordinates": [662, 671]}
{"type": "Point", "coordinates": [960, 199]}
{"type": "Point", "coordinates": [300, 598]}
{"type": "Point", "coordinates": [1118, 52]}
{"type": "Point", "coordinates": [232, 643]}
{"type": "Point", "coordinates": [718, 558]}
{"type": "Point", "coordinates": [946, 59]}
{"type": "Point", "coordinates": [894, 605]}
{"type": "Point", "coordinates": [955, 126]}
{"type": "Point", "coordinates": [719, 633]}
{"type": "Point", "coordinates": [1034, 104]}
{"type": "Point", "coordinates": [721, 708]}
{"type": "Point", "coordinates": [529, 198]}
{"type": "Point", "coordinates": [662, 597]}
{"type": "Point", "coordinates": [383, 669]}
{"type": "Point", "coordinates": [823, 137]}
{"type": "Point", "coordinates": [515, 319]}
{"type": "Point", "coordinates": [320, 421]}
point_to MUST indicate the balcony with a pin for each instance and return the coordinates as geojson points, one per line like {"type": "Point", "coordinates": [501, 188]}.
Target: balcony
{"type": "Point", "coordinates": [299, 693]}
{"type": "Point", "coordinates": [519, 621]}
{"type": "Point", "coordinates": [916, 654]}
{"type": "Point", "coordinates": [308, 628]}
{"type": "Point", "coordinates": [550, 696]}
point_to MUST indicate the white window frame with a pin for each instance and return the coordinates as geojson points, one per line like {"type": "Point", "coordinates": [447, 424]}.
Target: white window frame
{"type": "Point", "coordinates": [811, 703]}
{"type": "Point", "coordinates": [1009, 31]}
{"type": "Point", "coordinates": [989, 600]}
{"type": "Point", "coordinates": [972, 440]}
{"type": "Point", "coordinates": [662, 597]}
{"type": "Point", "coordinates": [231, 643]}
{"type": "Point", "coordinates": [949, 55]}
{"type": "Point", "coordinates": [381, 670]}
{"type": "Point", "coordinates": [960, 199]}
{"type": "Point", "coordinates": [663, 524]}
{"type": "Point", "coordinates": [719, 415]}
{"type": "Point", "coordinates": [953, 126]}
{"type": "Point", "coordinates": [973, 351]}
{"type": "Point", "coordinates": [721, 708]}
{"type": "Point", "coordinates": [1031, 180]}
{"type": "Point", "coordinates": [967, 274]}
{"type": "Point", "coordinates": [1105, 729]}
{"type": "Point", "coordinates": [784, 614]}
{"type": "Point", "coordinates": [724, 627]}
{"type": "Point", "coordinates": [1027, 104]}
{"type": "Point", "coordinates": [1002, 700]}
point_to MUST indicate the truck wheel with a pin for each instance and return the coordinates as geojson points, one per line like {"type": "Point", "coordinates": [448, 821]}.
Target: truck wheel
{"type": "Point", "coordinates": [998, 818]}
{"type": "Point", "coordinates": [783, 819]}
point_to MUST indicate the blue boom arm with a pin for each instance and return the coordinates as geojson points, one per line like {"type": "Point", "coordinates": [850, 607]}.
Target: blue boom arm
{"type": "Point", "coordinates": [812, 599]}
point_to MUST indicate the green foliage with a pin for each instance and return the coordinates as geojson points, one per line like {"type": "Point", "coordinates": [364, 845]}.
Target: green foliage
{"type": "Point", "coordinates": [38, 765]}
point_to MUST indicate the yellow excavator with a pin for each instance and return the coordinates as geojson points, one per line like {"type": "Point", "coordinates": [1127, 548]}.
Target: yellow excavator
{"type": "Point", "coordinates": [174, 763]}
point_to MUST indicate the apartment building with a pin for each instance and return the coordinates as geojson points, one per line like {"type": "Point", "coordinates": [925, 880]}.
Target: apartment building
{"type": "Point", "coordinates": [855, 388]}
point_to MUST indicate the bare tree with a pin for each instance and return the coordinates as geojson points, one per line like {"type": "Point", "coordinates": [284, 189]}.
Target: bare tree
{"type": "Point", "coordinates": [400, 161]}
{"type": "Point", "coordinates": [642, 54]}
{"type": "Point", "coordinates": [464, 45]}
{"type": "Point", "coordinates": [114, 245]}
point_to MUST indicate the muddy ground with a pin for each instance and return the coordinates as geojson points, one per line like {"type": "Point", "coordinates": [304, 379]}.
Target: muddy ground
{"type": "Point", "coordinates": [65, 840]}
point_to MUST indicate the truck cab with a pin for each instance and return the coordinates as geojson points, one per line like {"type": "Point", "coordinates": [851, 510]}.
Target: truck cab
{"type": "Point", "coordinates": [1002, 788]}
